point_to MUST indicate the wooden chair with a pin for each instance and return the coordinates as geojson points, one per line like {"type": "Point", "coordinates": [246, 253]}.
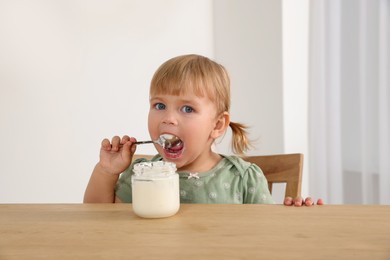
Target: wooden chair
{"type": "Point", "coordinates": [281, 168]}
{"type": "Point", "coordinates": [146, 156]}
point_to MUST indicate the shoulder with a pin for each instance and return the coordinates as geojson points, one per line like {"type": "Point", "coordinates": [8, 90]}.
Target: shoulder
{"type": "Point", "coordinates": [253, 183]}
{"type": "Point", "coordinates": [241, 166]}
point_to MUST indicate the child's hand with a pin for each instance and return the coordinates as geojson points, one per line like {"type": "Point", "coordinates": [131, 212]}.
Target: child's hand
{"type": "Point", "coordinates": [116, 156]}
{"type": "Point", "coordinates": [299, 201]}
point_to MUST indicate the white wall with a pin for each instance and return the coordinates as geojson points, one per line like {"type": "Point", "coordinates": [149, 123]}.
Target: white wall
{"type": "Point", "coordinates": [295, 81]}
{"type": "Point", "coordinates": [74, 72]}
{"type": "Point", "coordinates": [264, 45]}
{"type": "Point", "coordinates": [248, 41]}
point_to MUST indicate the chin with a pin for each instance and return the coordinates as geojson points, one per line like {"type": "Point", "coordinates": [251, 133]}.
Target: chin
{"type": "Point", "coordinates": [172, 156]}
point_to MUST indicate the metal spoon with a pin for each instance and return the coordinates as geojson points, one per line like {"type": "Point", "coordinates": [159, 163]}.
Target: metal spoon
{"type": "Point", "coordinates": [166, 141]}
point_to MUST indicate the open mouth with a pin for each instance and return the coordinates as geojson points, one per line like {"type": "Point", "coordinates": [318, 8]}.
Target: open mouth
{"type": "Point", "coordinates": [175, 150]}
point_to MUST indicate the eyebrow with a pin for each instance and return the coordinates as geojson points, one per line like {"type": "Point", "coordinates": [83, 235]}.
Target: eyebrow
{"type": "Point", "coordinates": [189, 101]}
{"type": "Point", "coordinates": [183, 100]}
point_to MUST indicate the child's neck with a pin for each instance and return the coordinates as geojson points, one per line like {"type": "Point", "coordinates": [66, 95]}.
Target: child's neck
{"type": "Point", "coordinates": [203, 163]}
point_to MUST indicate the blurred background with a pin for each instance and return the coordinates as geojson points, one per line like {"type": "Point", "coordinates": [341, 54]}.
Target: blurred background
{"type": "Point", "coordinates": [307, 76]}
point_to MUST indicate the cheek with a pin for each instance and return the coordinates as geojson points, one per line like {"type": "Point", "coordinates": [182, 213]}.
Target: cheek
{"type": "Point", "coordinates": [203, 129]}
{"type": "Point", "coordinates": [151, 124]}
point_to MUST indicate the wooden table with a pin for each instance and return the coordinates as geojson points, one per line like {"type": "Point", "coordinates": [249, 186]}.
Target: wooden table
{"type": "Point", "coordinates": [112, 231]}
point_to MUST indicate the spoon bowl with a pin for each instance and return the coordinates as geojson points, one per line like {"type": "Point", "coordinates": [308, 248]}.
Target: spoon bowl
{"type": "Point", "coordinates": [166, 141]}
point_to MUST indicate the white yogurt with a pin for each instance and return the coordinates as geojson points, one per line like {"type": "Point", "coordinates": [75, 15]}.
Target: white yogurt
{"type": "Point", "coordinates": [155, 189]}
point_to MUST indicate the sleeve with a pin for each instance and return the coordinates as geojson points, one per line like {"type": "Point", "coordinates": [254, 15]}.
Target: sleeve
{"type": "Point", "coordinates": [256, 187]}
{"type": "Point", "coordinates": [123, 186]}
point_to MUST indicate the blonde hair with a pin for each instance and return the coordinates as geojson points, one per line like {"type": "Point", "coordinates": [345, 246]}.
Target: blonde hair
{"type": "Point", "coordinates": [203, 77]}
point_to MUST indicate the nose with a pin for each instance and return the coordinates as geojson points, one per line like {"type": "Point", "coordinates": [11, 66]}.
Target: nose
{"type": "Point", "coordinates": [170, 118]}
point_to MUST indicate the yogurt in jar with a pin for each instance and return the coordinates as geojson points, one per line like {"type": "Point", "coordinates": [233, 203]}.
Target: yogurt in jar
{"type": "Point", "coordinates": [155, 189]}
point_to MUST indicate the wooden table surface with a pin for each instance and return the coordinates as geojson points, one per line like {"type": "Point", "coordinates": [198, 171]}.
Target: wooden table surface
{"type": "Point", "coordinates": [198, 231]}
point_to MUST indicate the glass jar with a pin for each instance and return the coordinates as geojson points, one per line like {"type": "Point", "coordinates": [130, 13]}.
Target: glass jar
{"type": "Point", "coordinates": [155, 189]}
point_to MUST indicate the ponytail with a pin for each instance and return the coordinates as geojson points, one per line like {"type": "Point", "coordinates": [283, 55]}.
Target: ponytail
{"type": "Point", "coordinates": [240, 141]}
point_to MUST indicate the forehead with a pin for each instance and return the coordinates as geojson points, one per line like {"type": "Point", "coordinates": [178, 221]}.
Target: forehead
{"type": "Point", "coordinates": [187, 98]}
{"type": "Point", "coordinates": [189, 88]}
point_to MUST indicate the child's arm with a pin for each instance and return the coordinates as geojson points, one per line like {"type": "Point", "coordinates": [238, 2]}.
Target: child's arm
{"type": "Point", "coordinates": [115, 157]}
{"type": "Point", "coordinates": [101, 186]}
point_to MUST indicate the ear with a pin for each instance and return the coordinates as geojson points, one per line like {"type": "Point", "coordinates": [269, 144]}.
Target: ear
{"type": "Point", "coordinates": [221, 124]}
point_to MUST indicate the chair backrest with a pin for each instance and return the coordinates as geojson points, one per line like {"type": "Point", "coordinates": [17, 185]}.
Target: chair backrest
{"type": "Point", "coordinates": [281, 168]}
{"type": "Point", "coordinates": [278, 168]}
{"type": "Point", "coordinates": [146, 156]}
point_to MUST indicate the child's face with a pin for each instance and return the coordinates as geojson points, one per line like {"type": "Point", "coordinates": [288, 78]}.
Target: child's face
{"type": "Point", "coordinates": [192, 119]}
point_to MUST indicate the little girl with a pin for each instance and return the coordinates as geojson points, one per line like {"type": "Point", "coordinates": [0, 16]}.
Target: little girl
{"type": "Point", "coordinates": [190, 99]}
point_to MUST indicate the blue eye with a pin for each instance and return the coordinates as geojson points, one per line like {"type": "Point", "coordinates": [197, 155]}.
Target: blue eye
{"type": "Point", "coordinates": [159, 106]}
{"type": "Point", "coordinates": [187, 109]}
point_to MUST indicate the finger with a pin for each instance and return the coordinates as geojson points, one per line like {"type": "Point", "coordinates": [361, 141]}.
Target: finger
{"type": "Point", "coordinates": [115, 143]}
{"type": "Point", "coordinates": [125, 139]}
{"type": "Point", "coordinates": [320, 202]}
{"type": "Point", "coordinates": [133, 147]}
{"type": "Point", "coordinates": [288, 201]}
{"type": "Point", "coordinates": [308, 201]}
{"type": "Point", "coordinates": [128, 148]}
{"type": "Point", "coordinates": [106, 145]}
{"type": "Point", "coordinates": [298, 201]}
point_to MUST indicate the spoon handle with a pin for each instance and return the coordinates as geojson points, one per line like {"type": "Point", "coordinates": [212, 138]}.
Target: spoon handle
{"type": "Point", "coordinates": [144, 142]}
